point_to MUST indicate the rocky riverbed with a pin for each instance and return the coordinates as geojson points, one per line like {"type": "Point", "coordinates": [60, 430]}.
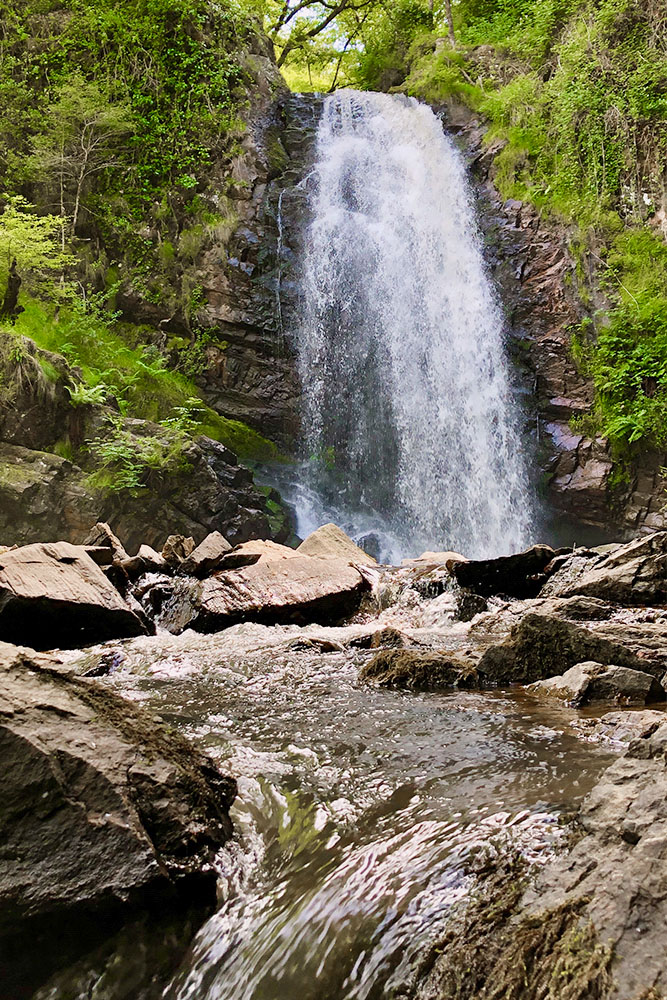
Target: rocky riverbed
{"type": "Point", "coordinates": [451, 774]}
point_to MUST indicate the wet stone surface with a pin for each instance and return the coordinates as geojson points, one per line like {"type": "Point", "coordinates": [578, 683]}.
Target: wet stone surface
{"type": "Point", "coordinates": [361, 812]}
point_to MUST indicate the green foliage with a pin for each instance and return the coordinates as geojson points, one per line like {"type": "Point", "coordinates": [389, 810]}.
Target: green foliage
{"type": "Point", "coordinates": [136, 377]}
{"type": "Point", "coordinates": [80, 135]}
{"type": "Point", "coordinates": [628, 364]}
{"type": "Point", "coordinates": [33, 240]}
{"type": "Point", "coordinates": [87, 395]}
{"type": "Point", "coordinates": [130, 463]}
{"type": "Point", "coordinates": [163, 70]}
{"type": "Point", "coordinates": [112, 112]}
{"type": "Point", "coordinates": [576, 91]}
{"type": "Point", "coordinates": [389, 35]}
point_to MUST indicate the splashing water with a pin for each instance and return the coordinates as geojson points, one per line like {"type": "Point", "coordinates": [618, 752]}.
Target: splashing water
{"type": "Point", "coordinates": [408, 411]}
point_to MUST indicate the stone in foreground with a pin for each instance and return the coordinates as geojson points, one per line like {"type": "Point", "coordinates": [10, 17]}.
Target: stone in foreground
{"type": "Point", "coordinates": [589, 682]}
{"type": "Point", "coordinates": [54, 594]}
{"type": "Point", "coordinates": [331, 542]}
{"type": "Point", "coordinates": [419, 671]}
{"type": "Point", "coordinates": [541, 646]}
{"type": "Point", "coordinates": [593, 924]}
{"type": "Point", "coordinates": [103, 811]}
{"type": "Point", "coordinates": [297, 589]}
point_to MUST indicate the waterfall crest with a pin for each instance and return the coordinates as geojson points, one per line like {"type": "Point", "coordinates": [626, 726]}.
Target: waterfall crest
{"type": "Point", "coordinates": [409, 419]}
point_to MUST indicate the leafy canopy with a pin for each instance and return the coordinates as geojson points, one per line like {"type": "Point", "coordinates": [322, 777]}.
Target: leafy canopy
{"type": "Point", "coordinates": [30, 239]}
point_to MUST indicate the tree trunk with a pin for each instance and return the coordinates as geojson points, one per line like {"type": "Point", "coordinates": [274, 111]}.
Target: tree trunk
{"type": "Point", "coordinates": [450, 22]}
{"type": "Point", "coordinates": [10, 308]}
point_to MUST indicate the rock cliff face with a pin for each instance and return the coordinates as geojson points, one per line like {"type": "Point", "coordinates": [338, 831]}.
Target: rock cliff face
{"type": "Point", "coordinates": [44, 495]}
{"type": "Point", "coordinates": [253, 295]}
{"type": "Point", "coordinates": [249, 281]}
{"type": "Point", "coordinates": [537, 283]}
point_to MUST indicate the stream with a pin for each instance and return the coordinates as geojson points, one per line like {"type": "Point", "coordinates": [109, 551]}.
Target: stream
{"type": "Point", "coordinates": [361, 812]}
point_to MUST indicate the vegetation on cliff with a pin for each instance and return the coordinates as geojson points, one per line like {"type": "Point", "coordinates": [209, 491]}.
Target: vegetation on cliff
{"type": "Point", "coordinates": [113, 116]}
{"type": "Point", "coordinates": [575, 94]}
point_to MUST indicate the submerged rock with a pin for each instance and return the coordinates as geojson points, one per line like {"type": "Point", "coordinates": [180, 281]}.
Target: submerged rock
{"type": "Point", "coordinates": [56, 595]}
{"type": "Point", "coordinates": [541, 646]}
{"type": "Point", "coordinates": [407, 668]}
{"type": "Point", "coordinates": [104, 811]}
{"type": "Point", "coordinates": [593, 922]}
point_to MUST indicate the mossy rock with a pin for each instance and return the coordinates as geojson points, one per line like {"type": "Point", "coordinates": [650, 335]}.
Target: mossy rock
{"type": "Point", "coordinates": [413, 670]}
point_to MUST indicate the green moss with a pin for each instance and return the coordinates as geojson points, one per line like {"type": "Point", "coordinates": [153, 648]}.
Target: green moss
{"type": "Point", "coordinates": [276, 154]}
{"type": "Point", "coordinates": [64, 449]}
{"type": "Point", "coordinates": [495, 950]}
{"type": "Point", "coordinates": [13, 474]}
{"type": "Point", "coordinates": [51, 373]}
{"type": "Point", "coordinates": [245, 442]}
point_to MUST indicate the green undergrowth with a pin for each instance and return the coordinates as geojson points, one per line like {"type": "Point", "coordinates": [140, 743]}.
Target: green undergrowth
{"type": "Point", "coordinates": [114, 117]}
{"type": "Point", "coordinates": [575, 93]}
{"type": "Point", "coordinates": [135, 378]}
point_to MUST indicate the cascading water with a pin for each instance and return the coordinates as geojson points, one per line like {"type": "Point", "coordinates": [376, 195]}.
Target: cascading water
{"type": "Point", "coordinates": [409, 418]}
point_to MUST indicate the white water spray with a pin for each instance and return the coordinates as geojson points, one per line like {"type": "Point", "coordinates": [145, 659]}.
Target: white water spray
{"type": "Point", "coordinates": [408, 408]}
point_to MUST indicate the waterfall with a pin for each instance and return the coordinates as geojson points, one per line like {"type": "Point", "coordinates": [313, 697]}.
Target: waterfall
{"type": "Point", "coordinates": [410, 424]}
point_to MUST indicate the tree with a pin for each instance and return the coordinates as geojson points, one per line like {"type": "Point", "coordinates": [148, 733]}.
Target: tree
{"type": "Point", "coordinates": [28, 243]}
{"type": "Point", "coordinates": [78, 139]}
{"type": "Point", "coordinates": [293, 24]}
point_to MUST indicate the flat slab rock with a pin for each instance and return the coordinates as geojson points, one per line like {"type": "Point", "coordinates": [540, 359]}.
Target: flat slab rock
{"type": "Point", "coordinates": [54, 595]}
{"type": "Point", "coordinates": [102, 810]}
{"type": "Point", "coordinates": [632, 574]}
{"type": "Point", "coordinates": [295, 588]}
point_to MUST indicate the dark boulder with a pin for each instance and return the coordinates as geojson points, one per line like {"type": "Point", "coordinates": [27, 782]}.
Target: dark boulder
{"type": "Point", "coordinates": [388, 638]}
{"type": "Point", "coordinates": [520, 575]}
{"type": "Point", "coordinates": [55, 595]}
{"type": "Point", "coordinates": [541, 646]}
{"type": "Point", "coordinates": [103, 812]}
